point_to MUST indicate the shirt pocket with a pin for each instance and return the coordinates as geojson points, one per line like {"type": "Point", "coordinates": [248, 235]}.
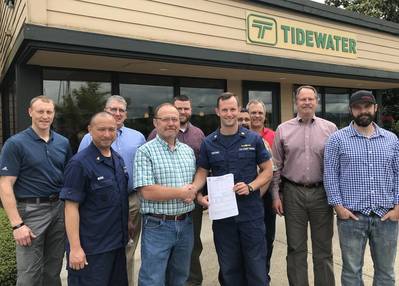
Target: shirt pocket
{"type": "Point", "coordinates": [104, 194]}
{"type": "Point", "coordinates": [218, 164]}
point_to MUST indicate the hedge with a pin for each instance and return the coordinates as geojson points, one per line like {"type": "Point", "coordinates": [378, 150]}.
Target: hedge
{"type": "Point", "coordinates": [8, 265]}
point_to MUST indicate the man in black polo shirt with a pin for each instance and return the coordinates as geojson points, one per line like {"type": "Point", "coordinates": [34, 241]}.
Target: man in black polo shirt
{"type": "Point", "coordinates": [32, 164]}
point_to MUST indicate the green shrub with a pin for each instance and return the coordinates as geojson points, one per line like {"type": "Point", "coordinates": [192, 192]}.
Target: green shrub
{"type": "Point", "coordinates": [8, 265]}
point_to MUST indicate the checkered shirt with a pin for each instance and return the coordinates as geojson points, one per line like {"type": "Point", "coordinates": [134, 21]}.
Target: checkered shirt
{"type": "Point", "coordinates": [156, 163]}
{"type": "Point", "coordinates": [361, 173]}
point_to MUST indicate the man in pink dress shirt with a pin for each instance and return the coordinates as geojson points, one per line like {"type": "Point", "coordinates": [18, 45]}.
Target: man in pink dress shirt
{"type": "Point", "coordinates": [298, 152]}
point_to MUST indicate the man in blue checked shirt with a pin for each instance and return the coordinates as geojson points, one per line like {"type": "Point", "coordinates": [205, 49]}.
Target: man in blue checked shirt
{"type": "Point", "coordinates": [163, 172]}
{"type": "Point", "coordinates": [361, 166]}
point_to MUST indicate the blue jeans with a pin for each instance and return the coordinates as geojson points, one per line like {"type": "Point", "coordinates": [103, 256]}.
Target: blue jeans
{"type": "Point", "coordinates": [382, 236]}
{"type": "Point", "coordinates": [166, 248]}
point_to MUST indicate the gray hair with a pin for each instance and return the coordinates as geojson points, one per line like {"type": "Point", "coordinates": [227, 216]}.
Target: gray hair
{"type": "Point", "coordinates": [116, 98]}
{"type": "Point", "coordinates": [257, 101]}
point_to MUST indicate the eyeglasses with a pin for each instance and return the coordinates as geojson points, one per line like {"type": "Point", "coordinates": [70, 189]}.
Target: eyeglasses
{"type": "Point", "coordinates": [167, 119]}
{"type": "Point", "coordinates": [115, 110]}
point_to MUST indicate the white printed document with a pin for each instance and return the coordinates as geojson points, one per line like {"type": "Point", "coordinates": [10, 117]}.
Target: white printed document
{"type": "Point", "coordinates": [222, 199]}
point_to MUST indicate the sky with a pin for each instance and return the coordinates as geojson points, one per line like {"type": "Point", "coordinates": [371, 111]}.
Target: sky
{"type": "Point", "coordinates": [320, 1]}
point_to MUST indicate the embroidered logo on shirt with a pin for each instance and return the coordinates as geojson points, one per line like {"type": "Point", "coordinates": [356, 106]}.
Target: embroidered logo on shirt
{"type": "Point", "coordinates": [4, 168]}
{"type": "Point", "coordinates": [100, 178]}
{"type": "Point", "coordinates": [215, 152]}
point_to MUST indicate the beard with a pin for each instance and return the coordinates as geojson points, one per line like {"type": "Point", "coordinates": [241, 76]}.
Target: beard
{"type": "Point", "coordinates": [364, 119]}
{"type": "Point", "coordinates": [184, 120]}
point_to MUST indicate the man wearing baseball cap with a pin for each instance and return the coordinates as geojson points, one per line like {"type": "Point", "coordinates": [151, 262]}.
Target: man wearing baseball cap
{"type": "Point", "coordinates": [361, 178]}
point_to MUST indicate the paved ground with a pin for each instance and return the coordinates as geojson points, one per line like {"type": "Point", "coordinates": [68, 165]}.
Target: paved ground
{"type": "Point", "coordinates": [278, 270]}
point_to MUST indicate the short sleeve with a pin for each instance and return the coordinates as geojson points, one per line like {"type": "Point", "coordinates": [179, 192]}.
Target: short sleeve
{"type": "Point", "coordinates": [262, 154]}
{"type": "Point", "coordinates": [10, 159]}
{"type": "Point", "coordinates": [85, 142]}
{"type": "Point", "coordinates": [203, 161]}
{"type": "Point", "coordinates": [143, 171]}
{"type": "Point", "coordinates": [75, 182]}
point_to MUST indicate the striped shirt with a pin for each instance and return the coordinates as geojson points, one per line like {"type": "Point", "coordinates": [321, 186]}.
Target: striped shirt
{"type": "Point", "coordinates": [361, 173]}
{"type": "Point", "coordinates": [156, 164]}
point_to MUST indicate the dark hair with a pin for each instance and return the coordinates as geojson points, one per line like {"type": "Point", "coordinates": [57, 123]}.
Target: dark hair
{"type": "Point", "coordinates": [244, 110]}
{"type": "Point", "coordinates": [225, 96]}
{"type": "Point", "coordinates": [181, 97]}
{"type": "Point", "coordinates": [298, 90]}
{"type": "Point", "coordinates": [162, 105]}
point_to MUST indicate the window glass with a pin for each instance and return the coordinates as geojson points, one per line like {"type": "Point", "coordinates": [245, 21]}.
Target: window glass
{"type": "Point", "coordinates": [142, 101]}
{"type": "Point", "coordinates": [337, 106]}
{"type": "Point", "coordinates": [389, 109]}
{"type": "Point", "coordinates": [76, 102]}
{"type": "Point", "coordinates": [203, 101]}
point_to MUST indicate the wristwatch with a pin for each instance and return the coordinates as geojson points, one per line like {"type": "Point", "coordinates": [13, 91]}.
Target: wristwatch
{"type": "Point", "coordinates": [250, 188]}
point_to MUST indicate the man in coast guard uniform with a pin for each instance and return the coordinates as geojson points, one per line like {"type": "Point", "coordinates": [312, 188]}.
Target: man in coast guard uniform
{"type": "Point", "coordinates": [96, 209]}
{"type": "Point", "coordinates": [239, 240]}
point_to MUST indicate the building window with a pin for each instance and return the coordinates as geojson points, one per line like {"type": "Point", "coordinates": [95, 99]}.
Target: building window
{"type": "Point", "coordinates": [145, 92]}
{"type": "Point", "coordinates": [389, 109]}
{"type": "Point", "coordinates": [333, 104]}
{"type": "Point", "coordinates": [77, 96]}
{"type": "Point", "coordinates": [336, 102]}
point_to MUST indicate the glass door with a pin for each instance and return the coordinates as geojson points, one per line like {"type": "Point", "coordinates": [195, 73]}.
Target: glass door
{"type": "Point", "coordinates": [269, 93]}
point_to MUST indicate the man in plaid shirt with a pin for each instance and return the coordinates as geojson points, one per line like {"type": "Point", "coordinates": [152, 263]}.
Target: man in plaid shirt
{"type": "Point", "coordinates": [163, 172]}
{"type": "Point", "coordinates": [361, 166]}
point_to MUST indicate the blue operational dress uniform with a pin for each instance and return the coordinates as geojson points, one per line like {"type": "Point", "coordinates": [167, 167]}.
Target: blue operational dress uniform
{"type": "Point", "coordinates": [240, 240]}
{"type": "Point", "coordinates": [99, 185]}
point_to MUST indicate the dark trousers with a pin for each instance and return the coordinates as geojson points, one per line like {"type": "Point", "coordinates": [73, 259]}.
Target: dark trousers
{"type": "Point", "coordinates": [303, 206]}
{"type": "Point", "coordinates": [105, 269]}
{"type": "Point", "coordinates": [241, 250]}
{"type": "Point", "coordinates": [196, 277]}
{"type": "Point", "coordinates": [270, 225]}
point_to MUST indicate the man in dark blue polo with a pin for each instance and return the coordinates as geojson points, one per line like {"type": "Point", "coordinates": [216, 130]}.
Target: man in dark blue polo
{"type": "Point", "coordinates": [96, 209]}
{"type": "Point", "coordinates": [239, 240]}
{"type": "Point", "coordinates": [32, 166]}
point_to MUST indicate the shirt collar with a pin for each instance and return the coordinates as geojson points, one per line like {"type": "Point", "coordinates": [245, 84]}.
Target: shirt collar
{"type": "Point", "coordinates": [241, 131]}
{"type": "Point", "coordinates": [165, 144]}
{"type": "Point", "coordinates": [186, 130]}
{"type": "Point", "coordinates": [354, 132]}
{"type": "Point", "coordinates": [97, 154]}
{"type": "Point", "coordinates": [299, 119]}
{"type": "Point", "coordinates": [36, 137]}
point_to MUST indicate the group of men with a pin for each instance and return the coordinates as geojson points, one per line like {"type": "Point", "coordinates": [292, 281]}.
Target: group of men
{"type": "Point", "coordinates": [117, 184]}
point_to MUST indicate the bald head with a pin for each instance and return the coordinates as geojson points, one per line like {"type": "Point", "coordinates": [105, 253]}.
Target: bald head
{"type": "Point", "coordinates": [100, 115]}
{"type": "Point", "coordinates": [102, 129]}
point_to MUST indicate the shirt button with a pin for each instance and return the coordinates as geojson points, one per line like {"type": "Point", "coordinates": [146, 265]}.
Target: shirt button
{"type": "Point", "coordinates": [371, 178]}
{"type": "Point", "coordinates": [371, 165]}
{"type": "Point", "coordinates": [370, 152]}
{"type": "Point", "coordinates": [372, 192]}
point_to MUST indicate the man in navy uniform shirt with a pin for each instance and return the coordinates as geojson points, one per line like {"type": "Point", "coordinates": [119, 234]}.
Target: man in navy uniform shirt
{"type": "Point", "coordinates": [32, 166]}
{"type": "Point", "coordinates": [240, 240]}
{"type": "Point", "coordinates": [96, 209]}
{"type": "Point", "coordinates": [126, 143]}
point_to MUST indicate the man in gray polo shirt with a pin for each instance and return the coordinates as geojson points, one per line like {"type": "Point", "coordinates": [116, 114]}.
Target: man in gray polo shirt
{"type": "Point", "coordinates": [32, 164]}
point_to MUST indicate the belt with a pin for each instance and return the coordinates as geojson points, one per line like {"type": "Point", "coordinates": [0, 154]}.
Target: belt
{"type": "Point", "coordinates": [171, 217]}
{"type": "Point", "coordinates": [39, 200]}
{"type": "Point", "coordinates": [312, 185]}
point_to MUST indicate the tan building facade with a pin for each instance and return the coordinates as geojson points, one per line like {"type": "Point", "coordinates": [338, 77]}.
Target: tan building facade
{"type": "Point", "coordinates": [150, 51]}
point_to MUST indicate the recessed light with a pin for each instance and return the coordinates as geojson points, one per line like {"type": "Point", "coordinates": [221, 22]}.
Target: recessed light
{"type": "Point", "coordinates": [163, 69]}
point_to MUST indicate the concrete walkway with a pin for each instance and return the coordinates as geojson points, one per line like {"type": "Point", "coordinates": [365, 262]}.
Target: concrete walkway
{"type": "Point", "coordinates": [278, 268]}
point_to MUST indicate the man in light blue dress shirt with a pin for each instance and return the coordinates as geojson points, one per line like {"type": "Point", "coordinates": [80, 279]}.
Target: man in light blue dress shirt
{"type": "Point", "coordinates": [126, 144]}
{"type": "Point", "coordinates": [361, 178]}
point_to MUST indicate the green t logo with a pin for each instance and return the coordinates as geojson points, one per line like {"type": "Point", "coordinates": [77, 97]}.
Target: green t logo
{"type": "Point", "coordinates": [262, 27]}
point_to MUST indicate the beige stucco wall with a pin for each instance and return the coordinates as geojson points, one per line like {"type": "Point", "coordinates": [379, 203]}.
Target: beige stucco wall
{"type": "Point", "coordinates": [11, 21]}
{"type": "Point", "coordinates": [218, 24]}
